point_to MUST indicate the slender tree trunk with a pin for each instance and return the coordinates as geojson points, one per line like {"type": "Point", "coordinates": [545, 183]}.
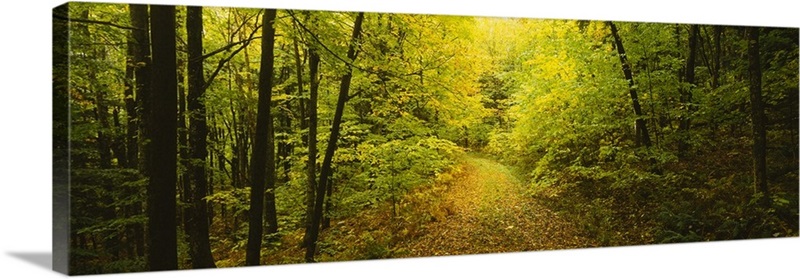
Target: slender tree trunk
{"type": "Point", "coordinates": [161, 209]}
{"type": "Point", "coordinates": [184, 183]}
{"type": "Point", "coordinates": [270, 211]}
{"type": "Point", "coordinates": [326, 171]}
{"type": "Point", "coordinates": [118, 140]}
{"type": "Point", "coordinates": [262, 147]}
{"type": "Point", "coordinates": [757, 114]}
{"type": "Point", "coordinates": [311, 168]}
{"type": "Point", "coordinates": [298, 63]}
{"type": "Point", "coordinates": [686, 94]}
{"type": "Point", "coordinates": [326, 214]}
{"type": "Point", "coordinates": [104, 133]}
{"type": "Point", "coordinates": [131, 127]}
{"type": "Point", "coordinates": [101, 107]}
{"type": "Point", "coordinates": [103, 142]}
{"type": "Point", "coordinates": [200, 248]}
{"type": "Point", "coordinates": [283, 128]}
{"type": "Point", "coordinates": [284, 145]}
{"type": "Point", "coordinates": [716, 69]}
{"type": "Point", "coordinates": [626, 69]}
{"type": "Point", "coordinates": [142, 60]}
{"type": "Point", "coordinates": [717, 55]}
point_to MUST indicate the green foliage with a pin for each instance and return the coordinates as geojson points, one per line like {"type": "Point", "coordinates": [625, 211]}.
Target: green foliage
{"type": "Point", "coordinates": [375, 248]}
{"type": "Point", "coordinates": [233, 200]}
{"type": "Point", "coordinates": [546, 97]}
{"type": "Point", "coordinates": [390, 170]}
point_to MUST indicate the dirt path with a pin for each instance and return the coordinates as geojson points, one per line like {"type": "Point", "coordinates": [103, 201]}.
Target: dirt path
{"type": "Point", "coordinates": [491, 213]}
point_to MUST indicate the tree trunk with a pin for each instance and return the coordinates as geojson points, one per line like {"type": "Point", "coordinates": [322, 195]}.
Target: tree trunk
{"type": "Point", "coordinates": [118, 140]}
{"type": "Point", "coordinates": [184, 185]}
{"type": "Point", "coordinates": [283, 128]}
{"type": "Point", "coordinates": [311, 168]}
{"type": "Point", "coordinates": [626, 69]}
{"type": "Point", "coordinates": [270, 211]}
{"type": "Point", "coordinates": [757, 114]}
{"type": "Point", "coordinates": [284, 144]}
{"type": "Point", "coordinates": [131, 145]}
{"type": "Point", "coordinates": [298, 63]}
{"type": "Point", "coordinates": [326, 172]}
{"type": "Point", "coordinates": [200, 249]}
{"type": "Point", "coordinates": [262, 147]}
{"type": "Point", "coordinates": [326, 214]}
{"type": "Point", "coordinates": [717, 55]}
{"type": "Point", "coordinates": [141, 60]}
{"type": "Point", "coordinates": [686, 94]}
{"type": "Point", "coordinates": [103, 141]}
{"type": "Point", "coordinates": [161, 190]}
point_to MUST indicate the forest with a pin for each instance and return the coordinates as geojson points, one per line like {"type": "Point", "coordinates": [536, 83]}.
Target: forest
{"type": "Point", "coordinates": [209, 137]}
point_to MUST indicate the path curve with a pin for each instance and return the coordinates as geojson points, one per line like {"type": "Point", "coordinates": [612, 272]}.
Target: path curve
{"type": "Point", "coordinates": [490, 213]}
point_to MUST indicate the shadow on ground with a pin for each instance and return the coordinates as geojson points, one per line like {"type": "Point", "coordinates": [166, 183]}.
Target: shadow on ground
{"type": "Point", "coordinates": [40, 259]}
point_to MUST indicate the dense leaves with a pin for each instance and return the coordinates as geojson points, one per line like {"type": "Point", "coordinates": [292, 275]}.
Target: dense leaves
{"type": "Point", "coordinates": [455, 135]}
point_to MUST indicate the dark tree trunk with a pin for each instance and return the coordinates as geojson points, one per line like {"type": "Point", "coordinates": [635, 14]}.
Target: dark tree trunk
{"type": "Point", "coordinates": [142, 60]}
{"type": "Point", "coordinates": [270, 211]}
{"type": "Point", "coordinates": [103, 141]}
{"type": "Point", "coordinates": [326, 214]}
{"type": "Point", "coordinates": [326, 171]}
{"type": "Point", "coordinates": [131, 127]}
{"type": "Point", "coordinates": [283, 129]}
{"type": "Point", "coordinates": [684, 135]}
{"type": "Point", "coordinates": [311, 168]}
{"type": "Point", "coordinates": [626, 69]}
{"type": "Point", "coordinates": [757, 114]}
{"type": "Point", "coordinates": [200, 248]}
{"type": "Point", "coordinates": [161, 209]}
{"type": "Point", "coordinates": [141, 72]}
{"type": "Point", "coordinates": [185, 186]}
{"type": "Point", "coordinates": [717, 55]}
{"type": "Point", "coordinates": [118, 140]}
{"type": "Point", "coordinates": [263, 153]}
{"type": "Point", "coordinates": [715, 72]}
{"type": "Point", "coordinates": [298, 63]}
{"type": "Point", "coordinates": [284, 145]}
{"type": "Point", "coordinates": [104, 133]}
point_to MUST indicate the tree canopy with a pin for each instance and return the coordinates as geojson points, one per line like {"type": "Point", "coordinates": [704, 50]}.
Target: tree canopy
{"type": "Point", "coordinates": [285, 136]}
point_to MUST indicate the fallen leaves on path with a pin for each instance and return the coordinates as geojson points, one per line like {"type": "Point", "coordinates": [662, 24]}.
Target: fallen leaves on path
{"type": "Point", "coordinates": [491, 214]}
{"type": "Point", "coordinates": [481, 208]}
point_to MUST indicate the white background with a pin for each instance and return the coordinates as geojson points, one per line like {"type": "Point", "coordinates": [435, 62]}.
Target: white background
{"type": "Point", "coordinates": [25, 155]}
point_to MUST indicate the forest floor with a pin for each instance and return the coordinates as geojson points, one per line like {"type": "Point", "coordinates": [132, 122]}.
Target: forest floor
{"type": "Point", "coordinates": [491, 212]}
{"type": "Point", "coordinates": [483, 209]}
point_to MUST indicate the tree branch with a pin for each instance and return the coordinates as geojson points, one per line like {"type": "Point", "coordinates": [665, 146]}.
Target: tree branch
{"type": "Point", "coordinates": [226, 59]}
{"type": "Point", "coordinates": [229, 46]}
{"type": "Point", "coordinates": [380, 74]}
{"type": "Point", "coordinates": [244, 44]}
{"type": "Point", "coordinates": [348, 63]}
{"type": "Point", "coordinates": [69, 19]}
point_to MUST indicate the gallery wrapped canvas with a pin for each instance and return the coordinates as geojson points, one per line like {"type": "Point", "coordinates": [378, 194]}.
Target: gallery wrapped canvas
{"type": "Point", "coordinates": [188, 137]}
